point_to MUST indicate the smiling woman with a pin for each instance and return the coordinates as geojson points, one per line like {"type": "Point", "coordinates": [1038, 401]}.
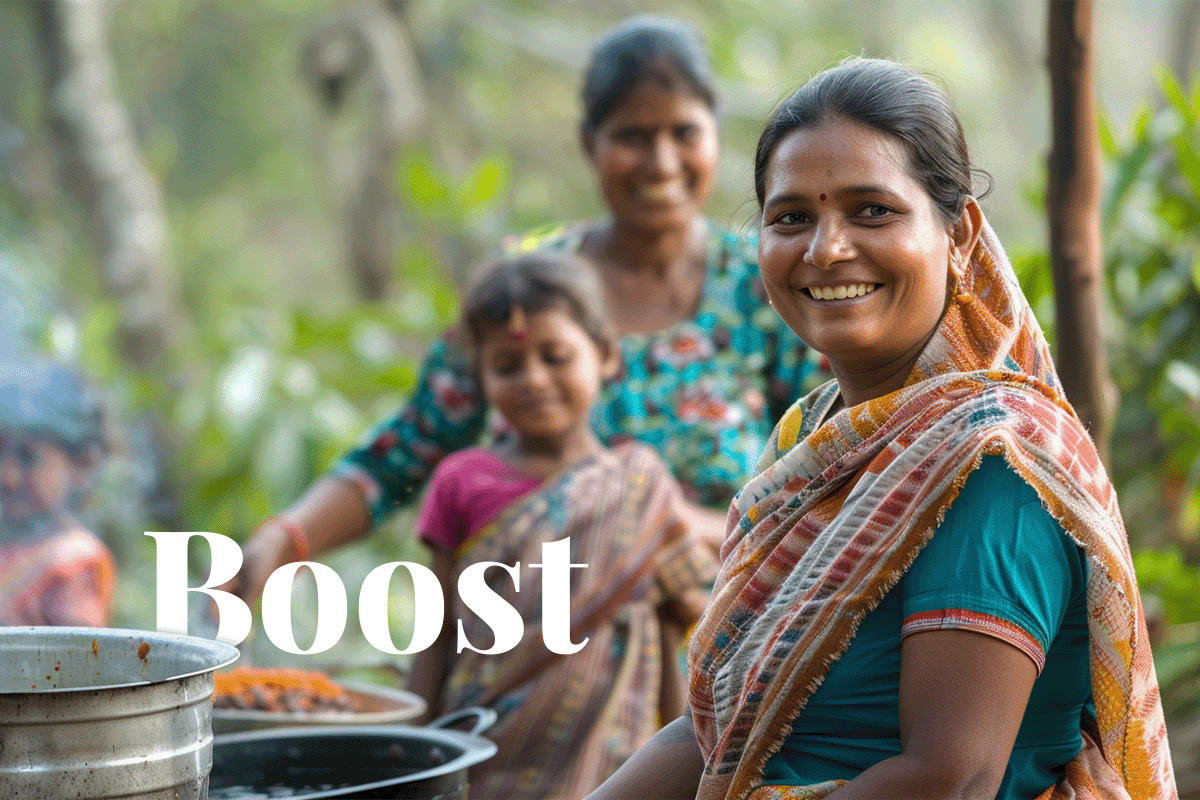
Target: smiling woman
{"type": "Point", "coordinates": [927, 590]}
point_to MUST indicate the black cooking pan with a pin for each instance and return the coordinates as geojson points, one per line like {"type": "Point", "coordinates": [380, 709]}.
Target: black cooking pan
{"type": "Point", "coordinates": [380, 761]}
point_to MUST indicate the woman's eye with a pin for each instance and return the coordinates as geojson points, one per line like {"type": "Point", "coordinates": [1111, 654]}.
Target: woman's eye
{"type": "Point", "coordinates": [505, 367]}
{"type": "Point", "coordinates": [876, 210]}
{"type": "Point", "coordinates": [27, 456]}
{"type": "Point", "coordinates": [631, 137]}
{"type": "Point", "coordinates": [685, 133]}
{"type": "Point", "coordinates": [791, 218]}
{"type": "Point", "coordinates": [557, 357]}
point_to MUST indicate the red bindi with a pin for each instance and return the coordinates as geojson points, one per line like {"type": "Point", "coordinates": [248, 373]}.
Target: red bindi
{"type": "Point", "coordinates": [822, 195]}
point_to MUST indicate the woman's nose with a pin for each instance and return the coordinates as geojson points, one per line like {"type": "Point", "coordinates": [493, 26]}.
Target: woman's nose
{"type": "Point", "coordinates": [829, 244]}
{"type": "Point", "coordinates": [535, 374]}
{"type": "Point", "coordinates": [665, 158]}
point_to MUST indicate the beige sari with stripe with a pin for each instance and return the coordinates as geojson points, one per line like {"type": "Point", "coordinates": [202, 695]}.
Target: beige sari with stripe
{"type": "Point", "coordinates": [567, 722]}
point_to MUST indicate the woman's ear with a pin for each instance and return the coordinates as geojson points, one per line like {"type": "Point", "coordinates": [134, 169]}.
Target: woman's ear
{"type": "Point", "coordinates": [588, 142]}
{"type": "Point", "coordinates": [964, 234]}
{"type": "Point", "coordinates": [610, 359]}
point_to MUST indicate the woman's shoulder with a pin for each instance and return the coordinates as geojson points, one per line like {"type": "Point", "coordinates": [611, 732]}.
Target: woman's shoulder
{"type": "Point", "coordinates": [639, 456]}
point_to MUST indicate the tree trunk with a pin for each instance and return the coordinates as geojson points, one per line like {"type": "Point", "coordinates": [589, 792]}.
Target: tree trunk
{"type": "Point", "coordinates": [102, 167]}
{"type": "Point", "coordinates": [123, 212]}
{"type": "Point", "coordinates": [367, 42]}
{"type": "Point", "coordinates": [1073, 207]}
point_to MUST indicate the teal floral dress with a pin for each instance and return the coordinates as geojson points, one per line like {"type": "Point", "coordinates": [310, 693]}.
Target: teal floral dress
{"type": "Point", "coordinates": [705, 392]}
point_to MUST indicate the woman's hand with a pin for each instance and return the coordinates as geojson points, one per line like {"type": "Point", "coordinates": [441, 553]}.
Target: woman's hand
{"type": "Point", "coordinates": [668, 767]}
{"type": "Point", "coordinates": [331, 512]}
{"type": "Point", "coordinates": [962, 697]}
{"type": "Point", "coordinates": [269, 548]}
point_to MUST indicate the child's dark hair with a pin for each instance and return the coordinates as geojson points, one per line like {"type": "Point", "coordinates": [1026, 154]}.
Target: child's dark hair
{"type": "Point", "coordinates": [507, 289]}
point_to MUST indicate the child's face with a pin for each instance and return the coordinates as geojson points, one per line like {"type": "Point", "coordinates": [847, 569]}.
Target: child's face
{"type": "Point", "coordinates": [36, 476]}
{"type": "Point", "coordinates": [544, 382]}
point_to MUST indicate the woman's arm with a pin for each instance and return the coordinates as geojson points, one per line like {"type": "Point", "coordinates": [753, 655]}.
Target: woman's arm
{"type": "Point", "coordinates": [445, 413]}
{"type": "Point", "coordinates": [427, 674]}
{"type": "Point", "coordinates": [962, 697]}
{"type": "Point", "coordinates": [668, 767]}
{"type": "Point", "coordinates": [331, 513]}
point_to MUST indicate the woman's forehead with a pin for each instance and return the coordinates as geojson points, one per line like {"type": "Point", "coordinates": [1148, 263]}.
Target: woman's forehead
{"type": "Point", "coordinates": [835, 154]}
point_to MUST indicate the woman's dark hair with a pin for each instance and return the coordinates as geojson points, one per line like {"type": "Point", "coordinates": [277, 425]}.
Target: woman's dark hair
{"type": "Point", "coordinates": [890, 98]}
{"type": "Point", "coordinates": [531, 283]}
{"type": "Point", "coordinates": [643, 48]}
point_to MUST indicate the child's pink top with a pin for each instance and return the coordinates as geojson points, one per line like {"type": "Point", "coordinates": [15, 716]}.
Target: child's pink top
{"type": "Point", "coordinates": [468, 490]}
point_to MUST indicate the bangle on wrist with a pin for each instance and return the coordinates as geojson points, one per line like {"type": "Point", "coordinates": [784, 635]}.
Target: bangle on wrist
{"type": "Point", "coordinates": [296, 534]}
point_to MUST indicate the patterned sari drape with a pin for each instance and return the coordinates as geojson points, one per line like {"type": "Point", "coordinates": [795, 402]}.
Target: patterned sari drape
{"type": "Point", "coordinates": [843, 504]}
{"type": "Point", "coordinates": [567, 722]}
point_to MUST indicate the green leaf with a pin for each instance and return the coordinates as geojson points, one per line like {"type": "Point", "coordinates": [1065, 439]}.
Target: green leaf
{"type": "Point", "coordinates": [421, 184]}
{"type": "Point", "coordinates": [1129, 169]}
{"type": "Point", "coordinates": [1141, 123]}
{"type": "Point", "coordinates": [1108, 140]}
{"type": "Point", "coordinates": [1173, 92]}
{"type": "Point", "coordinates": [488, 178]}
{"type": "Point", "coordinates": [1185, 378]}
{"type": "Point", "coordinates": [1156, 566]}
{"type": "Point", "coordinates": [1189, 163]}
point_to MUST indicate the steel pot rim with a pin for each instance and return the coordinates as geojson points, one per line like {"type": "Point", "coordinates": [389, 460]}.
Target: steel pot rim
{"type": "Point", "coordinates": [210, 654]}
{"type": "Point", "coordinates": [476, 749]}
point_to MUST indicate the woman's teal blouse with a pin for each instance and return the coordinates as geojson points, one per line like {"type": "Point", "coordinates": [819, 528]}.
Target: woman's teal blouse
{"type": "Point", "coordinates": [998, 564]}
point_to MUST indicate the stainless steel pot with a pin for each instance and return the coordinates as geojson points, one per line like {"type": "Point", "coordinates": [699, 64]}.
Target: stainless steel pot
{"type": "Point", "coordinates": [380, 761]}
{"type": "Point", "coordinates": [106, 713]}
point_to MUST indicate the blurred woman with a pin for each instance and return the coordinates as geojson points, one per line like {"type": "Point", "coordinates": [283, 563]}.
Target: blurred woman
{"type": "Point", "coordinates": [53, 570]}
{"type": "Point", "coordinates": [706, 368]}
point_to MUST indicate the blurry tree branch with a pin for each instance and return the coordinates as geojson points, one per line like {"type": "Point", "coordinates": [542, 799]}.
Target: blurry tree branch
{"type": "Point", "coordinates": [101, 165]}
{"type": "Point", "coordinates": [367, 43]}
{"type": "Point", "coordinates": [1073, 208]}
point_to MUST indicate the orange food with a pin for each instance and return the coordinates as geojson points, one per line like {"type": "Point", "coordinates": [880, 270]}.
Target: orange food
{"type": "Point", "coordinates": [279, 689]}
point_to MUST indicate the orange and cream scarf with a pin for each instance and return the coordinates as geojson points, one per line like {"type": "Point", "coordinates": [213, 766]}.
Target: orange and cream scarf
{"type": "Point", "coordinates": [844, 503]}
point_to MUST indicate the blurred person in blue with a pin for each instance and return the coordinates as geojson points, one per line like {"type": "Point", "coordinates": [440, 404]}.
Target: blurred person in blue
{"type": "Point", "coordinates": [706, 367]}
{"type": "Point", "coordinates": [53, 570]}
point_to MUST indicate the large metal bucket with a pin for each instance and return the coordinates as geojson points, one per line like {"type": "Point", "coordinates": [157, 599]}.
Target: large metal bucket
{"type": "Point", "coordinates": [106, 713]}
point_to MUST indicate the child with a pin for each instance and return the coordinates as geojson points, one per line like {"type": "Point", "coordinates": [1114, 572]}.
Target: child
{"type": "Point", "coordinates": [542, 345]}
{"type": "Point", "coordinates": [53, 571]}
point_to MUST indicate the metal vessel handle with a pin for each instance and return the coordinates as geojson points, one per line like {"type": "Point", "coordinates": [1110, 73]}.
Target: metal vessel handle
{"type": "Point", "coordinates": [484, 719]}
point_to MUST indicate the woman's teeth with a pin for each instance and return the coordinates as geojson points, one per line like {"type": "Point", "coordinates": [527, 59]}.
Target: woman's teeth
{"type": "Point", "coordinates": [662, 192]}
{"type": "Point", "coordinates": [839, 292]}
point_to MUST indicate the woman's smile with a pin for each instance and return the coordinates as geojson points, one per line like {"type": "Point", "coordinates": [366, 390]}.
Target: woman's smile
{"type": "Point", "coordinates": [825, 294]}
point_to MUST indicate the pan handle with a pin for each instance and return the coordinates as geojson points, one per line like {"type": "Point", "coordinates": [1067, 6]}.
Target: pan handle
{"type": "Point", "coordinates": [484, 719]}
